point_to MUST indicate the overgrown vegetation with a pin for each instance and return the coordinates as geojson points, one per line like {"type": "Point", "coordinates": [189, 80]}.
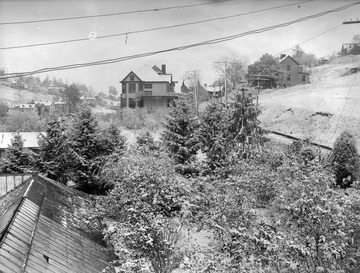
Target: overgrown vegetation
{"type": "Point", "coordinates": [267, 207]}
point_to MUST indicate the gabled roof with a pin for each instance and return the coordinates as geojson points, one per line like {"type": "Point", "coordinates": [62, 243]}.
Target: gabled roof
{"type": "Point", "coordinates": [288, 56]}
{"type": "Point", "coordinates": [42, 230]}
{"type": "Point", "coordinates": [147, 74]}
{"type": "Point", "coordinates": [29, 138]}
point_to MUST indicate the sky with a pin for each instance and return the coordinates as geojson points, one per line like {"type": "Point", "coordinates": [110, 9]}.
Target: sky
{"type": "Point", "coordinates": [179, 63]}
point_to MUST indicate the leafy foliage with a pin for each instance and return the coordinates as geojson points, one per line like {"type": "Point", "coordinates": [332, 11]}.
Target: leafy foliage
{"type": "Point", "coordinates": [24, 122]}
{"type": "Point", "coordinates": [345, 160]}
{"type": "Point", "coordinates": [144, 211]}
{"type": "Point", "coordinates": [267, 65]}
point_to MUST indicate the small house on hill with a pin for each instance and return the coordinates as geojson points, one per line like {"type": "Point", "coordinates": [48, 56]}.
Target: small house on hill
{"type": "Point", "coordinates": [189, 86]}
{"type": "Point", "coordinates": [150, 87]}
{"type": "Point", "coordinates": [350, 49]}
{"type": "Point", "coordinates": [42, 229]}
{"type": "Point", "coordinates": [293, 72]}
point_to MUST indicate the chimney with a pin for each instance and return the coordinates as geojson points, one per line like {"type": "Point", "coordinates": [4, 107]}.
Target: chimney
{"type": "Point", "coordinates": [282, 56]}
{"type": "Point", "coordinates": [163, 68]}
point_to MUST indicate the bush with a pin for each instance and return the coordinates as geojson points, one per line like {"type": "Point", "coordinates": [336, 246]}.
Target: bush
{"type": "Point", "coordinates": [345, 160]}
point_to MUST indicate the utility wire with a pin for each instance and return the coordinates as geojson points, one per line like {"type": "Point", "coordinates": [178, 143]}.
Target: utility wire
{"type": "Point", "coordinates": [110, 14]}
{"type": "Point", "coordinates": [152, 29]}
{"type": "Point", "coordinates": [303, 42]}
{"type": "Point", "coordinates": [342, 110]}
{"type": "Point", "coordinates": [208, 42]}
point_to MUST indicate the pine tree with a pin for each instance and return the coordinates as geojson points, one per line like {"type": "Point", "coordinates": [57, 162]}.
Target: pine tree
{"type": "Point", "coordinates": [18, 158]}
{"type": "Point", "coordinates": [345, 160]}
{"type": "Point", "coordinates": [212, 134]}
{"type": "Point", "coordinates": [179, 133]}
{"type": "Point", "coordinates": [244, 126]}
{"type": "Point", "coordinates": [53, 156]}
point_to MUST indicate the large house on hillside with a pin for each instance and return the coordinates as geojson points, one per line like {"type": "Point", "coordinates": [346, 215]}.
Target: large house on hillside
{"type": "Point", "coordinates": [148, 87]}
{"type": "Point", "coordinates": [293, 72]}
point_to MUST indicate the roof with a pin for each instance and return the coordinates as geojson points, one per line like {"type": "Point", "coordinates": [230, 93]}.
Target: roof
{"type": "Point", "coordinates": [29, 138]}
{"type": "Point", "coordinates": [148, 74]}
{"type": "Point", "coordinates": [61, 102]}
{"type": "Point", "coordinates": [215, 88]}
{"type": "Point", "coordinates": [42, 230]}
{"type": "Point", "coordinates": [45, 103]}
{"type": "Point", "coordinates": [288, 56]}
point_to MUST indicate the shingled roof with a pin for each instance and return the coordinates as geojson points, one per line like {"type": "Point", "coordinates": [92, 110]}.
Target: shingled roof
{"type": "Point", "coordinates": [42, 230]}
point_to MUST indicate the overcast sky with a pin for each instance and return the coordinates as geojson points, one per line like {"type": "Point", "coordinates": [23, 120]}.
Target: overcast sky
{"type": "Point", "coordinates": [200, 58]}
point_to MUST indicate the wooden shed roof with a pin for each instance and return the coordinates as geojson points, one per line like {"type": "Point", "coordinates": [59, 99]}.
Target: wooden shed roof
{"type": "Point", "coordinates": [42, 230]}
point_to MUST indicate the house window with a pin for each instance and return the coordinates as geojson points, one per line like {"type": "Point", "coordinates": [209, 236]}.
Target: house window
{"type": "Point", "coordinates": [132, 77]}
{"type": "Point", "coordinates": [132, 87]}
{"type": "Point", "coordinates": [132, 103]}
{"type": "Point", "coordinates": [141, 87]}
{"type": "Point", "coordinates": [303, 78]}
{"type": "Point", "coordinates": [148, 86]}
{"type": "Point", "coordinates": [288, 77]}
{"type": "Point", "coordinates": [288, 67]}
{"type": "Point", "coordinates": [123, 88]}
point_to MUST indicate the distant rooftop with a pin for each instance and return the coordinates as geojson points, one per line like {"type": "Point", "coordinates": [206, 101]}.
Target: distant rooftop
{"type": "Point", "coordinates": [29, 138]}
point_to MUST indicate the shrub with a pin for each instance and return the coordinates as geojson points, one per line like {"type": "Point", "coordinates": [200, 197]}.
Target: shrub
{"type": "Point", "coordinates": [345, 160]}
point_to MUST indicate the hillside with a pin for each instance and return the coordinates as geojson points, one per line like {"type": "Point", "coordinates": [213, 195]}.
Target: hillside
{"type": "Point", "coordinates": [15, 97]}
{"type": "Point", "coordinates": [320, 110]}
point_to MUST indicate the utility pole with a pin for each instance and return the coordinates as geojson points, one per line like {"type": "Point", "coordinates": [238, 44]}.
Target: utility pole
{"type": "Point", "coordinates": [195, 92]}
{"type": "Point", "coordinates": [225, 62]}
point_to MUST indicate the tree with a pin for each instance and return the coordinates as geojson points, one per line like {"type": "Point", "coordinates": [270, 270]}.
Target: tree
{"type": "Point", "coordinates": [304, 58]}
{"type": "Point", "coordinates": [18, 159]}
{"type": "Point", "coordinates": [24, 122]}
{"type": "Point", "coordinates": [112, 91]}
{"type": "Point", "coordinates": [244, 126]}
{"type": "Point", "coordinates": [4, 110]}
{"type": "Point", "coordinates": [179, 130]}
{"type": "Point", "coordinates": [72, 94]}
{"type": "Point", "coordinates": [235, 68]}
{"type": "Point", "coordinates": [345, 160]}
{"type": "Point", "coordinates": [212, 134]}
{"type": "Point", "coordinates": [54, 159]}
{"type": "Point", "coordinates": [145, 212]}
{"type": "Point", "coordinates": [267, 65]}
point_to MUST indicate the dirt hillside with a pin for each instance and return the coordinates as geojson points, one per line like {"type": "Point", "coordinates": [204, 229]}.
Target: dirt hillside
{"type": "Point", "coordinates": [15, 97]}
{"type": "Point", "coordinates": [320, 110]}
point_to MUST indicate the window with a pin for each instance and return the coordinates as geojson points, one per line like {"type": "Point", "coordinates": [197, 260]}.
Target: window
{"type": "Point", "coordinates": [288, 77]}
{"type": "Point", "coordinates": [141, 87]}
{"type": "Point", "coordinates": [132, 87]}
{"type": "Point", "coordinates": [132, 103]}
{"type": "Point", "coordinates": [288, 67]}
{"type": "Point", "coordinates": [148, 86]}
{"type": "Point", "coordinates": [303, 78]}
{"type": "Point", "coordinates": [132, 77]}
{"type": "Point", "coordinates": [123, 88]}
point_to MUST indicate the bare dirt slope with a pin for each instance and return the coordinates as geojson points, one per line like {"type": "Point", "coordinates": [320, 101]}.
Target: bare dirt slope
{"type": "Point", "coordinates": [320, 110]}
{"type": "Point", "coordinates": [15, 97]}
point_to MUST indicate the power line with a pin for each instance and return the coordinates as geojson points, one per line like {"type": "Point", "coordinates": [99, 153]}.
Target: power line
{"type": "Point", "coordinates": [208, 42]}
{"type": "Point", "coordinates": [342, 110]}
{"type": "Point", "coordinates": [309, 39]}
{"type": "Point", "coordinates": [110, 14]}
{"type": "Point", "coordinates": [151, 29]}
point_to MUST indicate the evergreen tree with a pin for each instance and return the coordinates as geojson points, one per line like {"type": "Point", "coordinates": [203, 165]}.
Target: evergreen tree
{"type": "Point", "coordinates": [53, 156]}
{"type": "Point", "coordinates": [244, 126]}
{"type": "Point", "coordinates": [212, 134]}
{"type": "Point", "coordinates": [345, 160]}
{"type": "Point", "coordinates": [179, 133]}
{"type": "Point", "coordinates": [18, 158]}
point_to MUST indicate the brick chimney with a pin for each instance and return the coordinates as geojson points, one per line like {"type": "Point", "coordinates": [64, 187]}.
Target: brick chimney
{"type": "Point", "coordinates": [163, 68]}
